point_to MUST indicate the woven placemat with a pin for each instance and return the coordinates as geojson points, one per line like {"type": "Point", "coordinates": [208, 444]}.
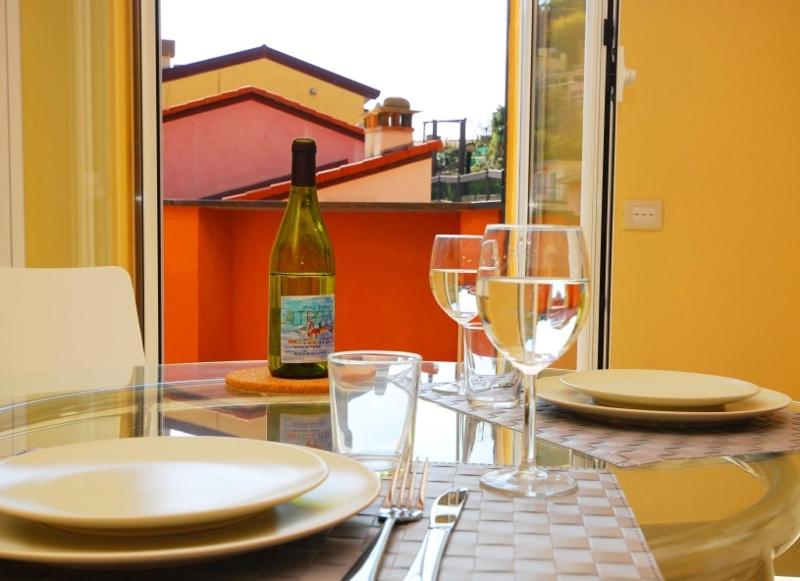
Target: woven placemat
{"type": "Point", "coordinates": [627, 446]}
{"type": "Point", "coordinates": [591, 534]}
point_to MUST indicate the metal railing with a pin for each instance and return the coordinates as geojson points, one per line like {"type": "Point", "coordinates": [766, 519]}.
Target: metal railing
{"type": "Point", "coordinates": [472, 187]}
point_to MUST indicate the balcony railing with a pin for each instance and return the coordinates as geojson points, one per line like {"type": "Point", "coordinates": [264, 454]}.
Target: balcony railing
{"type": "Point", "coordinates": [486, 185]}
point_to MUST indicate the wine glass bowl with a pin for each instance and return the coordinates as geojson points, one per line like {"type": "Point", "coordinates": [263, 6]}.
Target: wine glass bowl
{"type": "Point", "coordinates": [532, 289]}
{"type": "Point", "coordinates": [453, 275]}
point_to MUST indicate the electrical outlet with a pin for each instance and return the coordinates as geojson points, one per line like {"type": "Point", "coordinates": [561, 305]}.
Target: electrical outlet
{"type": "Point", "coordinates": [643, 214]}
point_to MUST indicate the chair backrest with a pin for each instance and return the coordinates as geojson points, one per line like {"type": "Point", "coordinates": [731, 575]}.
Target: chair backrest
{"type": "Point", "coordinates": [59, 319]}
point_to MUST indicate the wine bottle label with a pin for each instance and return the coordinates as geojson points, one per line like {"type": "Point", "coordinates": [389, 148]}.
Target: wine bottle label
{"type": "Point", "coordinates": [306, 328]}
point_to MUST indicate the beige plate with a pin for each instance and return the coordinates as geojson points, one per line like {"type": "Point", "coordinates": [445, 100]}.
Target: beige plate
{"type": "Point", "coordinates": [551, 389]}
{"type": "Point", "coordinates": [142, 484]}
{"type": "Point", "coordinates": [349, 488]}
{"type": "Point", "coordinates": [659, 389]}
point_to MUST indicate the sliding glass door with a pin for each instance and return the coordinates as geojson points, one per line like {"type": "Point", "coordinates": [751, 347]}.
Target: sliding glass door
{"type": "Point", "coordinates": [558, 107]}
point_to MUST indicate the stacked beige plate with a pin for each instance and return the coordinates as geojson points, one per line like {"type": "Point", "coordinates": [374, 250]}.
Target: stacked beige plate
{"type": "Point", "coordinates": [653, 396]}
{"type": "Point", "coordinates": [159, 500]}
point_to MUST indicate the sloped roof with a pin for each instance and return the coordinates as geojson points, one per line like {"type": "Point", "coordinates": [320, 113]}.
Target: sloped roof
{"type": "Point", "coordinates": [350, 171]}
{"type": "Point", "coordinates": [265, 52]}
{"type": "Point", "coordinates": [267, 98]}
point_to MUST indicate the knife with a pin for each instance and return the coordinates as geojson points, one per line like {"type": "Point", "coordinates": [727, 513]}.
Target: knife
{"type": "Point", "coordinates": [444, 514]}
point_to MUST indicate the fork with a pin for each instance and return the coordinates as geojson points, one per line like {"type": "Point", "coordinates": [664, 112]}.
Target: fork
{"type": "Point", "coordinates": [399, 506]}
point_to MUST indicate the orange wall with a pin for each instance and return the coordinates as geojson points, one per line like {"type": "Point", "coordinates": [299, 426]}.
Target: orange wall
{"type": "Point", "coordinates": [710, 128]}
{"type": "Point", "coordinates": [215, 280]}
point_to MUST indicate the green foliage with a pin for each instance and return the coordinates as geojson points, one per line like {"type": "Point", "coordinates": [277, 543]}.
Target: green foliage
{"type": "Point", "coordinates": [497, 140]}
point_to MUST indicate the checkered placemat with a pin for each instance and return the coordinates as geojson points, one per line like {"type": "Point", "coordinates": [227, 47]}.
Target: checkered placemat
{"type": "Point", "coordinates": [627, 446]}
{"type": "Point", "coordinates": [590, 534]}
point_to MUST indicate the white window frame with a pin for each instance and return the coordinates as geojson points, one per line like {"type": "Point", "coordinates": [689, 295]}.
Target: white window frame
{"type": "Point", "coordinates": [150, 119]}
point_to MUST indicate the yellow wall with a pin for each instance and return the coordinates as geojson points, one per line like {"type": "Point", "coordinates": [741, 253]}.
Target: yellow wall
{"type": "Point", "coordinates": [710, 128]}
{"type": "Point", "coordinates": [47, 152]}
{"type": "Point", "coordinates": [78, 138]}
{"type": "Point", "coordinates": [270, 76]}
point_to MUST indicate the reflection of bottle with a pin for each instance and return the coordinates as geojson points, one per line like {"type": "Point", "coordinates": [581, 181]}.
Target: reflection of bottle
{"type": "Point", "coordinates": [303, 424]}
{"type": "Point", "coordinates": [301, 278]}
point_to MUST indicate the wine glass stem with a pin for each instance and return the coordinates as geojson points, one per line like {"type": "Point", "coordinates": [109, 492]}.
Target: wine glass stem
{"type": "Point", "coordinates": [460, 354]}
{"type": "Point", "coordinates": [528, 460]}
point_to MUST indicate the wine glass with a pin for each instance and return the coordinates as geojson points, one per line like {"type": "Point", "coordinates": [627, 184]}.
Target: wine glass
{"type": "Point", "coordinates": [453, 271]}
{"type": "Point", "coordinates": [532, 287]}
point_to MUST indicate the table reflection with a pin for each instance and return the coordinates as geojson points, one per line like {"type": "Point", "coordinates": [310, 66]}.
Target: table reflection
{"type": "Point", "coordinates": [711, 518]}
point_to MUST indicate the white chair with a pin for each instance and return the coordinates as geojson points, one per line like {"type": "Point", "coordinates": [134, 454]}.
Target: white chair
{"type": "Point", "coordinates": [64, 319]}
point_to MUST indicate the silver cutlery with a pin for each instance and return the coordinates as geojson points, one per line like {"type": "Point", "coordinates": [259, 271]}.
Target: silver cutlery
{"type": "Point", "coordinates": [400, 505]}
{"type": "Point", "coordinates": [444, 514]}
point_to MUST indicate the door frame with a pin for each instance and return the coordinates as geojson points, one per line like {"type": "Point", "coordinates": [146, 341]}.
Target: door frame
{"type": "Point", "coordinates": [596, 193]}
{"type": "Point", "coordinates": [148, 202]}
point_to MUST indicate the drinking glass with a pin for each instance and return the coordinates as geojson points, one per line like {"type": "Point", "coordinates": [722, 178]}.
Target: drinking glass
{"type": "Point", "coordinates": [454, 268]}
{"type": "Point", "coordinates": [490, 379]}
{"type": "Point", "coordinates": [532, 287]}
{"type": "Point", "coordinates": [373, 405]}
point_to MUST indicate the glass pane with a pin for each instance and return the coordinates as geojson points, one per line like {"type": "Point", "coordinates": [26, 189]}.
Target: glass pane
{"type": "Point", "coordinates": [558, 112]}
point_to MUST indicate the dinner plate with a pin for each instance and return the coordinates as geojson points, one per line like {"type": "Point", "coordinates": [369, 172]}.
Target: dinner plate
{"type": "Point", "coordinates": [349, 488]}
{"type": "Point", "coordinates": [659, 389]}
{"type": "Point", "coordinates": [143, 484]}
{"type": "Point", "coordinates": [765, 401]}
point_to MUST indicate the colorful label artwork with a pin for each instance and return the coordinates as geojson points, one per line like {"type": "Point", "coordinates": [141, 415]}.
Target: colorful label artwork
{"type": "Point", "coordinates": [306, 328]}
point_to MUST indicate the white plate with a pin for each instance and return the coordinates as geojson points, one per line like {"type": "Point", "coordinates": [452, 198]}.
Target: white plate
{"type": "Point", "coordinates": [766, 401]}
{"type": "Point", "coordinates": [349, 488]}
{"type": "Point", "coordinates": [140, 484]}
{"type": "Point", "coordinates": [659, 389]}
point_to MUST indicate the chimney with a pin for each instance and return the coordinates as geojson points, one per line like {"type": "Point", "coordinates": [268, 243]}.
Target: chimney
{"type": "Point", "coordinates": [388, 126]}
{"type": "Point", "coordinates": [167, 53]}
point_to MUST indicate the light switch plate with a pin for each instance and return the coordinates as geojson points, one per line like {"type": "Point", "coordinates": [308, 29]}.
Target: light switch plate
{"type": "Point", "coordinates": [643, 214]}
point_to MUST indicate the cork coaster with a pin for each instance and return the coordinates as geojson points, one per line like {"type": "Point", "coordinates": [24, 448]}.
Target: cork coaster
{"type": "Point", "coordinates": [258, 379]}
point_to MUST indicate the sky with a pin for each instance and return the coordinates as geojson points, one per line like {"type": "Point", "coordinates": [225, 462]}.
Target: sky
{"type": "Point", "coordinates": [447, 57]}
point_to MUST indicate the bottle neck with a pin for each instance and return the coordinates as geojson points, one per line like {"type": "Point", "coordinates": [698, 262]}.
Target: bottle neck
{"type": "Point", "coordinates": [304, 169]}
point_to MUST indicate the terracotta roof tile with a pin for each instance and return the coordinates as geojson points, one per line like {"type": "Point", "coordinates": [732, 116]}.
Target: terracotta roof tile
{"type": "Point", "coordinates": [266, 52]}
{"type": "Point", "coordinates": [265, 97]}
{"type": "Point", "coordinates": [350, 171]}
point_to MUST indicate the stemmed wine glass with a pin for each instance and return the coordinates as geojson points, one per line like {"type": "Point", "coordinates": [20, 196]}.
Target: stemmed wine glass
{"type": "Point", "coordinates": [453, 271]}
{"type": "Point", "coordinates": [533, 283]}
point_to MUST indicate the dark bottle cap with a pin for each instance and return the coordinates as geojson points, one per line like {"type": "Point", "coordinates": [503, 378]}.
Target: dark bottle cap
{"type": "Point", "coordinates": [304, 162]}
{"type": "Point", "coordinates": [304, 145]}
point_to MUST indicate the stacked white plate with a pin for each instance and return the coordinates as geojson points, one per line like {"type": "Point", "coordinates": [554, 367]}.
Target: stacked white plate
{"type": "Point", "coordinates": [157, 500]}
{"type": "Point", "coordinates": [646, 396]}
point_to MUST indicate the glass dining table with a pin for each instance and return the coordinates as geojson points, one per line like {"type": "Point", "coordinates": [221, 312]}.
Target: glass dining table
{"type": "Point", "coordinates": [722, 517]}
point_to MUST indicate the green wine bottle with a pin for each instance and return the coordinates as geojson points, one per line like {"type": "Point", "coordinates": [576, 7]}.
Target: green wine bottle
{"type": "Point", "coordinates": [301, 278]}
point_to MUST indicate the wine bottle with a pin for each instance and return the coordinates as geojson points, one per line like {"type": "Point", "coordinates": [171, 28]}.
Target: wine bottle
{"type": "Point", "coordinates": [301, 278]}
